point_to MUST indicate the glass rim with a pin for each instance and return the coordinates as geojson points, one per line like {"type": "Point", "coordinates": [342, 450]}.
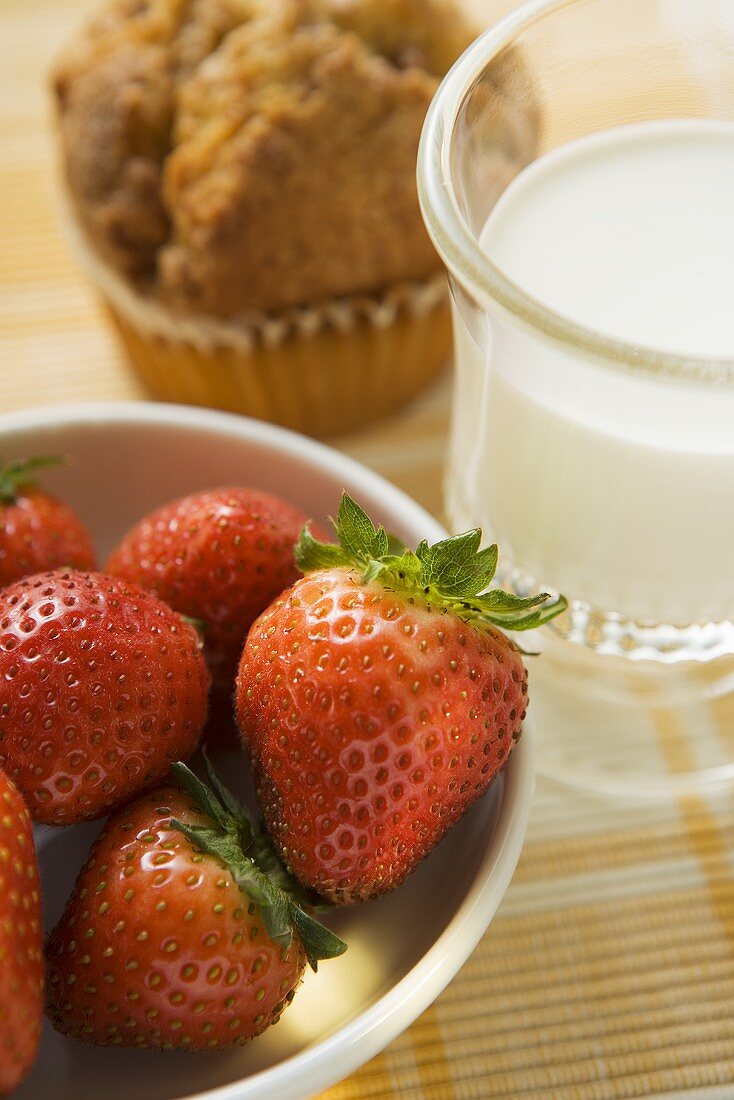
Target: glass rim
{"type": "Point", "coordinates": [458, 248]}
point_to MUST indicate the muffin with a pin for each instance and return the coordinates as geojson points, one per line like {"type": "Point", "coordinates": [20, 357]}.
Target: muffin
{"type": "Point", "coordinates": [241, 179]}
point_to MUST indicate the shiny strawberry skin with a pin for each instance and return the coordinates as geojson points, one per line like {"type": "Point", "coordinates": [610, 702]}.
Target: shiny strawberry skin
{"type": "Point", "coordinates": [39, 533]}
{"type": "Point", "coordinates": [102, 686]}
{"type": "Point", "coordinates": [158, 947]}
{"type": "Point", "coordinates": [220, 556]}
{"type": "Point", "coordinates": [373, 722]}
{"type": "Point", "coordinates": [21, 957]}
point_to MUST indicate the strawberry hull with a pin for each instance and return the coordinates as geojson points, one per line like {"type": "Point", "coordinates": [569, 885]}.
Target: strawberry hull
{"type": "Point", "coordinates": [373, 722]}
{"type": "Point", "coordinates": [37, 531]}
{"type": "Point", "coordinates": [158, 947]}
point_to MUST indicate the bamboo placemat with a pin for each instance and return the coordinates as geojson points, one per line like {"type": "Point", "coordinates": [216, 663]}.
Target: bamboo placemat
{"type": "Point", "coordinates": [609, 970]}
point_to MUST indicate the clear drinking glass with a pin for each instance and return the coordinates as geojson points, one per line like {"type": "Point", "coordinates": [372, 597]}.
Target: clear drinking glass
{"type": "Point", "coordinates": [603, 469]}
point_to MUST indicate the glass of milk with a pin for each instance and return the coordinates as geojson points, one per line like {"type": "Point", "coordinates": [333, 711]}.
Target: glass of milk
{"type": "Point", "coordinates": [576, 174]}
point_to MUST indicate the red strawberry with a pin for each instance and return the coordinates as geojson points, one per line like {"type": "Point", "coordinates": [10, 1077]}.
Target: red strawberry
{"type": "Point", "coordinates": [219, 556]}
{"type": "Point", "coordinates": [378, 701]}
{"type": "Point", "coordinates": [101, 687]}
{"type": "Point", "coordinates": [173, 937]}
{"type": "Point", "coordinates": [37, 532]}
{"type": "Point", "coordinates": [21, 958]}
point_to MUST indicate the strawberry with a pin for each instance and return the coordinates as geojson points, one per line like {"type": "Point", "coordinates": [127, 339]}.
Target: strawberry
{"type": "Point", "coordinates": [218, 556]}
{"type": "Point", "coordinates": [21, 958]}
{"type": "Point", "coordinates": [173, 936]}
{"type": "Point", "coordinates": [378, 700]}
{"type": "Point", "coordinates": [37, 532]}
{"type": "Point", "coordinates": [101, 687]}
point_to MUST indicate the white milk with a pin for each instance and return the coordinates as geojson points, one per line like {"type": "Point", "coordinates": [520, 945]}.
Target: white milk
{"type": "Point", "coordinates": [614, 487]}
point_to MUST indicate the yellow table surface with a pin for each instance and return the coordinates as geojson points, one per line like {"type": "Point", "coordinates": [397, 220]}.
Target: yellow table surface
{"type": "Point", "coordinates": [609, 970]}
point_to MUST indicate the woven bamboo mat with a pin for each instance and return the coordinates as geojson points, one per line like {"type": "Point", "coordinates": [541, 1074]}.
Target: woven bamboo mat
{"type": "Point", "coordinates": [609, 970]}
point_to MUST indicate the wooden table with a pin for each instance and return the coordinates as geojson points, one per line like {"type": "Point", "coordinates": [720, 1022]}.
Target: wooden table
{"type": "Point", "coordinates": [609, 970]}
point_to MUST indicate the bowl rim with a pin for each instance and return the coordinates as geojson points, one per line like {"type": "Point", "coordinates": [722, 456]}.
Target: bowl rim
{"type": "Point", "coordinates": [269, 436]}
{"type": "Point", "coordinates": [330, 1060]}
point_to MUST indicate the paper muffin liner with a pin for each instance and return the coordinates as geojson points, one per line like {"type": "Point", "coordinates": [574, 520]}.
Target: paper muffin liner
{"type": "Point", "coordinates": [320, 370]}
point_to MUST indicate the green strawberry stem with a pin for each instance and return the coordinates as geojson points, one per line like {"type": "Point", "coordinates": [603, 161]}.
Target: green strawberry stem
{"type": "Point", "coordinates": [198, 624]}
{"type": "Point", "coordinates": [453, 574]}
{"type": "Point", "coordinates": [236, 840]}
{"type": "Point", "coordinates": [21, 474]}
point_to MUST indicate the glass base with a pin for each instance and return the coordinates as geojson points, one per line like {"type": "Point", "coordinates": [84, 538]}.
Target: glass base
{"type": "Point", "coordinates": [631, 730]}
{"type": "Point", "coordinates": [629, 709]}
{"type": "Point", "coordinates": [632, 709]}
{"type": "Point", "coordinates": [614, 635]}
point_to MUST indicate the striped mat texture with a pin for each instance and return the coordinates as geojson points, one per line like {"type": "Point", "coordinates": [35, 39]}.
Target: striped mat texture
{"type": "Point", "coordinates": [609, 970]}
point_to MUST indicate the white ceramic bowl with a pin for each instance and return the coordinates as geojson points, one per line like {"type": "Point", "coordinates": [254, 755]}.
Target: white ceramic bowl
{"type": "Point", "coordinates": [404, 948]}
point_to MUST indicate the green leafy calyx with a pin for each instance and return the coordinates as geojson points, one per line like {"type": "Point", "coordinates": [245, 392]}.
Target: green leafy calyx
{"type": "Point", "coordinates": [454, 574]}
{"type": "Point", "coordinates": [19, 475]}
{"type": "Point", "coordinates": [234, 838]}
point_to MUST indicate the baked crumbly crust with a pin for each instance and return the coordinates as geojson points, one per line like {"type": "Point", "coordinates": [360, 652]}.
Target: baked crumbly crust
{"type": "Point", "coordinates": [231, 155]}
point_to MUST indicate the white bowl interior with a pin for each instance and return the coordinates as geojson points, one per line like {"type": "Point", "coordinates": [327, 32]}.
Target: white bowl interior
{"type": "Point", "coordinates": [403, 948]}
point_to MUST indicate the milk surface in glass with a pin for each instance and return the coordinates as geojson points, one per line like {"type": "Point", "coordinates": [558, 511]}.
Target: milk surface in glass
{"type": "Point", "coordinates": [613, 486]}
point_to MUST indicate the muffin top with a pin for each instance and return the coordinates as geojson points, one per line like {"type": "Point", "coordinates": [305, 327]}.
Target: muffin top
{"type": "Point", "coordinates": [236, 155]}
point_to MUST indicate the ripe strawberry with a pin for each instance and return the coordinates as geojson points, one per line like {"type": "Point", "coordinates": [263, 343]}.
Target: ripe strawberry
{"type": "Point", "coordinates": [21, 958]}
{"type": "Point", "coordinates": [218, 556]}
{"type": "Point", "coordinates": [101, 687]}
{"type": "Point", "coordinates": [173, 936]}
{"type": "Point", "coordinates": [37, 532]}
{"type": "Point", "coordinates": [378, 701]}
